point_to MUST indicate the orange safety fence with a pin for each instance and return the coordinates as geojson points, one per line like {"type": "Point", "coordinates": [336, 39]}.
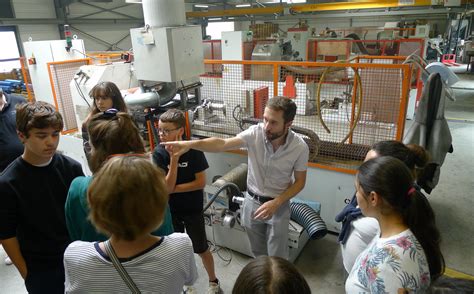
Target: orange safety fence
{"type": "Point", "coordinates": [100, 57]}
{"type": "Point", "coordinates": [349, 106]}
{"type": "Point", "coordinates": [61, 73]}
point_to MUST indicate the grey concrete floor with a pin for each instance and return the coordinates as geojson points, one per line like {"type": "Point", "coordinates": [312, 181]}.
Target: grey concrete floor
{"type": "Point", "coordinates": [320, 261]}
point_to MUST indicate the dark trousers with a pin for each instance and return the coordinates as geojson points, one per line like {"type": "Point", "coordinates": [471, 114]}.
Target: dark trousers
{"type": "Point", "coordinates": [49, 281]}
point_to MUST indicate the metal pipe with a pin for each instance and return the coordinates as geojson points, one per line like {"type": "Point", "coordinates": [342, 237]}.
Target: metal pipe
{"type": "Point", "coordinates": [152, 98]}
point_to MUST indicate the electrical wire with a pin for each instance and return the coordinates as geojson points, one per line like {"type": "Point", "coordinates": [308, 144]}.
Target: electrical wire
{"type": "Point", "coordinates": [358, 95]}
{"type": "Point", "coordinates": [78, 88]}
{"type": "Point", "coordinates": [216, 248]}
{"type": "Point", "coordinates": [238, 117]}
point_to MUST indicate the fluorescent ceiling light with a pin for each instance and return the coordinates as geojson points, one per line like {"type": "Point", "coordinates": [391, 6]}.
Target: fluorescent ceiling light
{"type": "Point", "coordinates": [201, 6]}
{"type": "Point", "coordinates": [243, 5]}
{"type": "Point", "coordinates": [216, 18]}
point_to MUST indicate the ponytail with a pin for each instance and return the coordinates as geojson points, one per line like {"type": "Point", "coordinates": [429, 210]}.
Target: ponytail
{"type": "Point", "coordinates": [421, 157]}
{"type": "Point", "coordinates": [420, 218]}
{"type": "Point", "coordinates": [392, 180]}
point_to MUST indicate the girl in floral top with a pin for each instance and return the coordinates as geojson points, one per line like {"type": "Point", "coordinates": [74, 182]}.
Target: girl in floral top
{"type": "Point", "coordinates": [406, 255]}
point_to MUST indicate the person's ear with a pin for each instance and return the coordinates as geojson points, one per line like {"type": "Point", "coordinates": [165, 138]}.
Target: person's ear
{"type": "Point", "coordinates": [21, 136]}
{"type": "Point", "coordinates": [180, 133]}
{"type": "Point", "coordinates": [288, 124]}
{"type": "Point", "coordinates": [374, 199]}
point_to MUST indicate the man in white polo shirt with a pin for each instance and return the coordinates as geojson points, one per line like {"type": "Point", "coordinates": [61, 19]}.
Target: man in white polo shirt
{"type": "Point", "coordinates": [277, 163]}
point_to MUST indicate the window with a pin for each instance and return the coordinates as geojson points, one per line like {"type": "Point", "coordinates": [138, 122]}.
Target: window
{"type": "Point", "coordinates": [8, 50]}
{"type": "Point", "coordinates": [214, 29]}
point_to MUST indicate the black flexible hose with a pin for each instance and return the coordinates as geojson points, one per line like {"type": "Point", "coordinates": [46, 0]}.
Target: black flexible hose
{"type": "Point", "coordinates": [309, 219]}
{"type": "Point", "coordinates": [225, 186]}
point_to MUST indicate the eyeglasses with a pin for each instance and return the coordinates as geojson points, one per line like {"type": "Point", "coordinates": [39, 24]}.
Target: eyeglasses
{"type": "Point", "coordinates": [167, 132]}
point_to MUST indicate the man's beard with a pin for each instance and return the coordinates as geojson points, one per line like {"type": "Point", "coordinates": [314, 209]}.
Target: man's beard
{"type": "Point", "coordinates": [274, 136]}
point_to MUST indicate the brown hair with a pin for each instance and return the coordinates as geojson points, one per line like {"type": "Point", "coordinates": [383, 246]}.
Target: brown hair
{"type": "Point", "coordinates": [174, 116]}
{"type": "Point", "coordinates": [112, 134]}
{"type": "Point", "coordinates": [107, 89]}
{"type": "Point", "coordinates": [284, 104]}
{"type": "Point", "coordinates": [127, 197]}
{"type": "Point", "coordinates": [414, 156]}
{"type": "Point", "coordinates": [38, 115]}
{"type": "Point", "coordinates": [270, 275]}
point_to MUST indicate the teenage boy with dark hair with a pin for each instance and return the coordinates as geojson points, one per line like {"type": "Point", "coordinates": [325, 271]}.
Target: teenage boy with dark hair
{"type": "Point", "coordinates": [34, 189]}
{"type": "Point", "coordinates": [185, 180]}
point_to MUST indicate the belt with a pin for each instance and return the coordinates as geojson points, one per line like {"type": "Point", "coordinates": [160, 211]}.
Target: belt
{"type": "Point", "coordinates": [261, 199]}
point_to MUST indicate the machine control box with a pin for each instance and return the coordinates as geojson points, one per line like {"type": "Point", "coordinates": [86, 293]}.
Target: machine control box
{"type": "Point", "coordinates": [167, 54]}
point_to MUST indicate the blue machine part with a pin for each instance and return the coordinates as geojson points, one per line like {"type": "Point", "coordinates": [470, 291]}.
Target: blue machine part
{"type": "Point", "coordinates": [9, 86]}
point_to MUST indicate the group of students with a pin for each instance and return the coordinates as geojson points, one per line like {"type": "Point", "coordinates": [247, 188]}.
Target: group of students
{"type": "Point", "coordinates": [122, 220]}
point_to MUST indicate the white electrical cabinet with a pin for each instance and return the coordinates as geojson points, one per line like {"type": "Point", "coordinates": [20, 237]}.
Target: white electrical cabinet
{"type": "Point", "coordinates": [232, 44]}
{"type": "Point", "coordinates": [167, 54]}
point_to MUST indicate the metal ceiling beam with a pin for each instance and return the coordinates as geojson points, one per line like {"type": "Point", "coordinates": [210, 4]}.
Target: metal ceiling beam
{"type": "Point", "coordinates": [33, 21]}
{"type": "Point", "coordinates": [310, 8]}
{"type": "Point", "coordinates": [110, 46]}
{"type": "Point", "coordinates": [235, 12]}
{"type": "Point", "coordinates": [101, 10]}
{"type": "Point", "coordinates": [355, 5]}
{"type": "Point", "coordinates": [429, 13]}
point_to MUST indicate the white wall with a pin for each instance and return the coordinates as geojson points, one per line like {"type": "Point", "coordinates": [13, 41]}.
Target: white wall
{"type": "Point", "coordinates": [35, 10]}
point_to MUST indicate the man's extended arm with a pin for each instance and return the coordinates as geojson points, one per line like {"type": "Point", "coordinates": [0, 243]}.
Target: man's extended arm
{"type": "Point", "coordinates": [212, 144]}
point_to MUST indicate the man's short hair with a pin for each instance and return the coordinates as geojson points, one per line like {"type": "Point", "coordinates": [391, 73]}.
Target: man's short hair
{"type": "Point", "coordinates": [128, 197]}
{"type": "Point", "coordinates": [284, 104]}
{"type": "Point", "coordinates": [175, 116]}
{"type": "Point", "coordinates": [38, 115]}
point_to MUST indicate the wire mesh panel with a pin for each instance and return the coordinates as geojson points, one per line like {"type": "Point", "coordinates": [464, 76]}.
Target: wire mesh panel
{"type": "Point", "coordinates": [61, 74]}
{"type": "Point", "coordinates": [342, 109]}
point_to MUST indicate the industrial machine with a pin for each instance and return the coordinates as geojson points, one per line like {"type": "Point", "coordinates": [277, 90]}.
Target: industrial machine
{"type": "Point", "coordinates": [222, 211]}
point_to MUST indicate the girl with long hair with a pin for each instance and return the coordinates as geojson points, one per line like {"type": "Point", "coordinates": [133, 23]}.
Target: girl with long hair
{"type": "Point", "coordinates": [406, 256]}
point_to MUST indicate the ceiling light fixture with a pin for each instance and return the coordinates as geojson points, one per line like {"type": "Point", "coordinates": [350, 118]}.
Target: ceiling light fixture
{"type": "Point", "coordinates": [201, 6]}
{"type": "Point", "coordinates": [243, 5]}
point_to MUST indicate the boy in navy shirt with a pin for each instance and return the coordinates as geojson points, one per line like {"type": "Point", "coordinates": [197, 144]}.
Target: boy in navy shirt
{"type": "Point", "coordinates": [185, 179]}
{"type": "Point", "coordinates": [34, 189]}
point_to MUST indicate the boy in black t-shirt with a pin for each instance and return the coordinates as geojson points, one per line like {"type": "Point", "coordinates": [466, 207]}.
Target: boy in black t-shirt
{"type": "Point", "coordinates": [185, 180]}
{"type": "Point", "coordinates": [33, 193]}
